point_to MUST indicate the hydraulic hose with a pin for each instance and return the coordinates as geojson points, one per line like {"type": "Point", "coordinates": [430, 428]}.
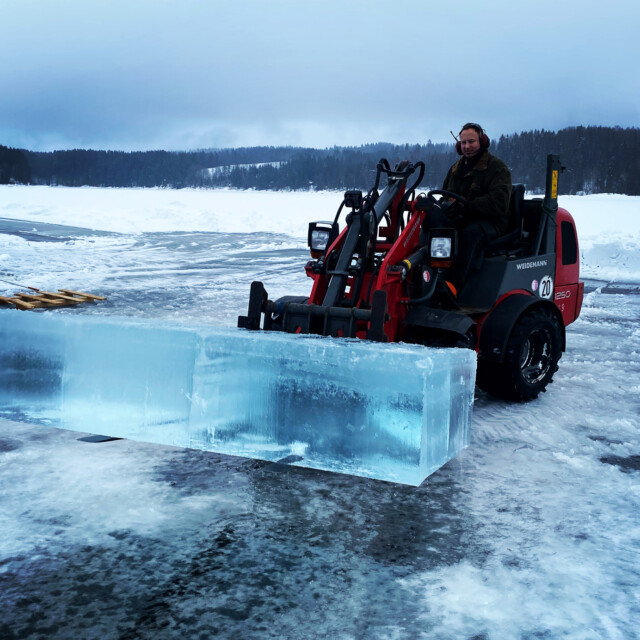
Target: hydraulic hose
{"type": "Point", "coordinates": [430, 289]}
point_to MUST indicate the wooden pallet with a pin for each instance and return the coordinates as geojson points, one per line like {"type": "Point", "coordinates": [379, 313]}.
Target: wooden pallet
{"type": "Point", "coordinates": [47, 299]}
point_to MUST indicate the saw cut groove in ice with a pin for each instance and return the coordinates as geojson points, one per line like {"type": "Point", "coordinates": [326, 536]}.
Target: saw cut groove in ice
{"type": "Point", "coordinates": [389, 411]}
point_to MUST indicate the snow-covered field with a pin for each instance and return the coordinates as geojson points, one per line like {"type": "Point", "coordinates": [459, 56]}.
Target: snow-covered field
{"type": "Point", "coordinates": [608, 225]}
{"type": "Point", "coordinates": [533, 532]}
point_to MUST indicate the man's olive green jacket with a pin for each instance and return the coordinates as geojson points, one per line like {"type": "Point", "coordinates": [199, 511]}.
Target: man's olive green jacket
{"type": "Point", "coordinates": [487, 187]}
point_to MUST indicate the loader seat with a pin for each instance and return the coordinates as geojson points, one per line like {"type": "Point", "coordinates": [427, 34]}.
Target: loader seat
{"type": "Point", "coordinates": [507, 241]}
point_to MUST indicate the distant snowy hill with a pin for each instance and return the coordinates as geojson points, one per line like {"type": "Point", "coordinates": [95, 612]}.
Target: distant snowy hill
{"type": "Point", "coordinates": [218, 171]}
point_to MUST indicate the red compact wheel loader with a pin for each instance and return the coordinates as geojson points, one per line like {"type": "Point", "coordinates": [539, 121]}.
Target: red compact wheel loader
{"type": "Point", "coordinates": [383, 278]}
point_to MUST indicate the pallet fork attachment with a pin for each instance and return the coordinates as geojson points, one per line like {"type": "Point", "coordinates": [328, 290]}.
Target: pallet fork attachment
{"type": "Point", "coordinates": [302, 318]}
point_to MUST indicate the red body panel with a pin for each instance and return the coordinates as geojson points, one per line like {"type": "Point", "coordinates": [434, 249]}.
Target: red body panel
{"type": "Point", "coordinates": [568, 290]}
{"type": "Point", "coordinates": [391, 282]}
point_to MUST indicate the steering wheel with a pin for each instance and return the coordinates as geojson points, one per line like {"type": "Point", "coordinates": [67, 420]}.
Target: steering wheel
{"type": "Point", "coordinates": [447, 194]}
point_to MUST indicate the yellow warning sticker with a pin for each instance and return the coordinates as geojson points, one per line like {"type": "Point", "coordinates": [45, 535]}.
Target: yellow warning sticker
{"type": "Point", "coordinates": [554, 184]}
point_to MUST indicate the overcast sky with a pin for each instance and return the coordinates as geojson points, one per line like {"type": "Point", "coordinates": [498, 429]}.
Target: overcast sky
{"type": "Point", "coordinates": [186, 74]}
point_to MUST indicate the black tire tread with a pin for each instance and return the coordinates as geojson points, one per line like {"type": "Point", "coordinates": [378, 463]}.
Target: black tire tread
{"type": "Point", "coordinates": [504, 379]}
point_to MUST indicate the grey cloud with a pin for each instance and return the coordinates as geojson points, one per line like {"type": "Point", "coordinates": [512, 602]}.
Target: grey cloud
{"type": "Point", "coordinates": [194, 74]}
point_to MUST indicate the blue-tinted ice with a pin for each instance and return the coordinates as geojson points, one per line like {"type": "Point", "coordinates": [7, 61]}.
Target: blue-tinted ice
{"type": "Point", "coordinates": [392, 412]}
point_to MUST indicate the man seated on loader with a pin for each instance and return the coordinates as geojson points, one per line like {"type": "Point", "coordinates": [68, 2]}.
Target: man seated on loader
{"type": "Point", "coordinates": [485, 183]}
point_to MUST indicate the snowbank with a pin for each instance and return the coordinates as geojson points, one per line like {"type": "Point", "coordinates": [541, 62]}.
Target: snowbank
{"type": "Point", "coordinates": [165, 210]}
{"type": "Point", "coordinates": [609, 234]}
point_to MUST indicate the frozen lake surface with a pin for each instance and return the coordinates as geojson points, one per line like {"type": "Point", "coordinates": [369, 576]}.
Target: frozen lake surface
{"type": "Point", "coordinates": [533, 532]}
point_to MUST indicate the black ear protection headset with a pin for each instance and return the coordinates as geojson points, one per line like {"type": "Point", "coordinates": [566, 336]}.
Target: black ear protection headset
{"type": "Point", "coordinates": [484, 138]}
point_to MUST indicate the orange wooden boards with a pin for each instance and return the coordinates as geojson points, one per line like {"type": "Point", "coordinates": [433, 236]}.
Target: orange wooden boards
{"type": "Point", "coordinates": [44, 299]}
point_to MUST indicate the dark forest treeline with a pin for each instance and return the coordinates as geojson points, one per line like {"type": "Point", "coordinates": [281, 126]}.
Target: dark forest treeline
{"type": "Point", "coordinates": [14, 166]}
{"type": "Point", "coordinates": [79, 167]}
{"type": "Point", "coordinates": [599, 160]}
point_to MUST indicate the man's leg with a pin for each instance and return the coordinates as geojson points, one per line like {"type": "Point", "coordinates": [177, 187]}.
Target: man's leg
{"type": "Point", "coordinates": [472, 239]}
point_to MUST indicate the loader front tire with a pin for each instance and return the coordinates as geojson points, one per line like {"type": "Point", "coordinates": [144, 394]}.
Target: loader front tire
{"type": "Point", "coordinates": [531, 358]}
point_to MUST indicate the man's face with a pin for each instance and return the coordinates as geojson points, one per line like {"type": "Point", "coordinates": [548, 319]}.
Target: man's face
{"type": "Point", "coordinates": [470, 141]}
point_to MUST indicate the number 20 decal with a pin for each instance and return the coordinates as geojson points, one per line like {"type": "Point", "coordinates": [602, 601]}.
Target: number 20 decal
{"type": "Point", "coordinates": [546, 287]}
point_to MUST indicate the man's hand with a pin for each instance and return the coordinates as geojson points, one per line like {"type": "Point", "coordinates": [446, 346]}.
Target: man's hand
{"type": "Point", "coordinates": [453, 209]}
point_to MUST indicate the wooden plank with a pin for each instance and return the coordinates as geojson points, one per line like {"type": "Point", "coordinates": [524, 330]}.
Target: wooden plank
{"type": "Point", "coordinates": [40, 300]}
{"type": "Point", "coordinates": [60, 296]}
{"type": "Point", "coordinates": [89, 296]}
{"type": "Point", "coordinates": [44, 301]}
{"type": "Point", "coordinates": [65, 298]}
{"type": "Point", "coordinates": [21, 304]}
{"type": "Point", "coordinates": [33, 304]}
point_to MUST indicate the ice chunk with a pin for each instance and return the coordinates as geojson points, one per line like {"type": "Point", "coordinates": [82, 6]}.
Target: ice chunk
{"type": "Point", "coordinates": [388, 411]}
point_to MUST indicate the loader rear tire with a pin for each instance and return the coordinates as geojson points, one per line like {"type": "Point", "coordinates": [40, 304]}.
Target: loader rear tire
{"type": "Point", "coordinates": [531, 358]}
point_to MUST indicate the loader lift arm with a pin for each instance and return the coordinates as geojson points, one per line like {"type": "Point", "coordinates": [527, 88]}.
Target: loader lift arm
{"type": "Point", "coordinates": [362, 228]}
{"type": "Point", "coordinates": [339, 314]}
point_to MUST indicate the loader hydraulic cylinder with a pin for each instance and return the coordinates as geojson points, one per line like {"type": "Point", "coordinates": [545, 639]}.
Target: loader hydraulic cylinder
{"type": "Point", "coordinates": [358, 235]}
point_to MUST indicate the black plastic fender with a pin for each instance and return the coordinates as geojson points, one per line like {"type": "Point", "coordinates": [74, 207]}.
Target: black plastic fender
{"type": "Point", "coordinates": [498, 326]}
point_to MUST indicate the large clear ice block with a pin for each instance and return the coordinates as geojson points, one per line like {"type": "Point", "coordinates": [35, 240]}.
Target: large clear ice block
{"type": "Point", "coordinates": [388, 411]}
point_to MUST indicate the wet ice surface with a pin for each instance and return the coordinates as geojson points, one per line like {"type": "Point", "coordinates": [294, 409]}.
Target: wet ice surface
{"type": "Point", "coordinates": [182, 276]}
{"type": "Point", "coordinates": [532, 532]}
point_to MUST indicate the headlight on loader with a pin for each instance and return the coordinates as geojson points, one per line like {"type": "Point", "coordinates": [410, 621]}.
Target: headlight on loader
{"type": "Point", "coordinates": [442, 247]}
{"type": "Point", "coordinates": [321, 236]}
{"type": "Point", "coordinates": [319, 239]}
